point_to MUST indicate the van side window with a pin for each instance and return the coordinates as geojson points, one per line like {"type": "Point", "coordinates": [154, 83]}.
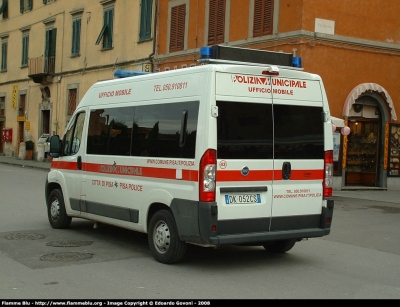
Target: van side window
{"type": "Point", "coordinates": [151, 130]}
{"type": "Point", "coordinates": [110, 131]}
{"type": "Point", "coordinates": [73, 136]}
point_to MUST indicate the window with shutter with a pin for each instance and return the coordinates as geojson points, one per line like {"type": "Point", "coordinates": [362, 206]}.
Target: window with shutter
{"type": "Point", "coordinates": [25, 5]}
{"type": "Point", "coordinates": [108, 19]}
{"type": "Point", "coordinates": [106, 32]}
{"type": "Point", "coordinates": [50, 50]}
{"type": "Point", "coordinates": [216, 22]}
{"type": "Point", "coordinates": [145, 20]}
{"type": "Point", "coordinates": [76, 37]}
{"type": "Point", "coordinates": [25, 48]}
{"type": "Point", "coordinates": [177, 35]}
{"type": "Point", "coordinates": [263, 17]}
{"type": "Point", "coordinates": [3, 56]}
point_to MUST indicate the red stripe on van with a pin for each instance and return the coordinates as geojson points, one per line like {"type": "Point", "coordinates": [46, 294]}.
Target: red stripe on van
{"type": "Point", "coordinates": [268, 175]}
{"type": "Point", "coordinates": [307, 174]}
{"type": "Point", "coordinates": [192, 175]}
{"type": "Point", "coordinates": [64, 165]}
{"type": "Point", "coordinates": [236, 175]}
{"type": "Point", "coordinates": [137, 171]}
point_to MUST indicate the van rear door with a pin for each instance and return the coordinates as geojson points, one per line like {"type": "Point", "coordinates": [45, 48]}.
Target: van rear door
{"type": "Point", "coordinates": [245, 160]}
{"type": "Point", "coordinates": [270, 153]}
{"type": "Point", "coordinates": [244, 151]}
{"type": "Point", "coordinates": [298, 153]}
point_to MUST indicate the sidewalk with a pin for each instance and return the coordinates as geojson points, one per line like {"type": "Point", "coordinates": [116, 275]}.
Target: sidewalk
{"type": "Point", "coordinates": [378, 195]}
{"type": "Point", "coordinates": [25, 163]}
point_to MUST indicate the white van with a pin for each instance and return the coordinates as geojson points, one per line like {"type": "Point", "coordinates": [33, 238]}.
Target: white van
{"type": "Point", "coordinates": [217, 154]}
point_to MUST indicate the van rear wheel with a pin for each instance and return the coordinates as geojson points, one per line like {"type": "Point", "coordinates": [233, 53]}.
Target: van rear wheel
{"type": "Point", "coordinates": [280, 247]}
{"type": "Point", "coordinates": [163, 238]}
{"type": "Point", "coordinates": [56, 213]}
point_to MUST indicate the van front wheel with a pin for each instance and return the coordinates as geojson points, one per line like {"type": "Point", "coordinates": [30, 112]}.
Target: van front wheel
{"type": "Point", "coordinates": [280, 247]}
{"type": "Point", "coordinates": [163, 238]}
{"type": "Point", "coordinates": [56, 213]}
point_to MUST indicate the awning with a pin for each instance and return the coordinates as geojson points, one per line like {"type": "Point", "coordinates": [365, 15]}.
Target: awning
{"type": "Point", "coordinates": [338, 122]}
{"type": "Point", "coordinates": [365, 87]}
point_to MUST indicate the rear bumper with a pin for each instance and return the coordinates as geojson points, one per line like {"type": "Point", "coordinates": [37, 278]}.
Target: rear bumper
{"type": "Point", "coordinates": [197, 220]}
{"type": "Point", "coordinates": [249, 238]}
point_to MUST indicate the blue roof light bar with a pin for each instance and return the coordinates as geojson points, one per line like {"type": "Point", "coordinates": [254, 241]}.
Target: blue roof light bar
{"type": "Point", "coordinates": [219, 53]}
{"type": "Point", "coordinates": [120, 73]}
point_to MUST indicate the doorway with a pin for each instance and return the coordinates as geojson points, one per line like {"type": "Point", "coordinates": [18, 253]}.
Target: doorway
{"type": "Point", "coordinates": [362, 166]}
{"type": "Point", "coordinates": [20, 134]}
{"type": "Point", "coordinates": [45, 121]}
{"type": "Point", "coordinates": [1, 134]}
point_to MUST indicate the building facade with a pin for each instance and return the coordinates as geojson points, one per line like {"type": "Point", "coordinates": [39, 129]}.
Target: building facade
{"type": "Point", "coordinates": [52, 51]}
{"type": "Point", "coordinates": [354, 45]}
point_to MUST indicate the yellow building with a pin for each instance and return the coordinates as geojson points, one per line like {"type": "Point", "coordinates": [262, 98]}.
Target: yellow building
{"type": "Point", "coordinates": [52, 51]}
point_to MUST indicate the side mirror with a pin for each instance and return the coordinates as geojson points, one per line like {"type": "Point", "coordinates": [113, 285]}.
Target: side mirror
{"type": "Point", "coordinates": [55, 146]}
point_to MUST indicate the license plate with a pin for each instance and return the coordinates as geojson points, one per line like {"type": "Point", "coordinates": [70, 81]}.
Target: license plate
{"type": "Point", "coordinates": [243, 199]}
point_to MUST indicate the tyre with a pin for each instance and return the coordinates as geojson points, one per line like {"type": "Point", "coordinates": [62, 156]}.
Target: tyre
{"type": "Point", "coordinates": [163, 238]}
{"type": "Point", "coordinates": [56, 213]}
{"type": "Point", "coordinates": [280, 247]}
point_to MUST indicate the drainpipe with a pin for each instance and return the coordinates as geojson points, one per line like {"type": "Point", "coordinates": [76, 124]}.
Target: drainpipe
{"type": "Point", "coordinates": [151, 55]}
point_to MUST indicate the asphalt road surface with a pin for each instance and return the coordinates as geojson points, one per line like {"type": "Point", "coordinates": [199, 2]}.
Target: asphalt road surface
{"type": "Point", "coordinates": [360, 259]}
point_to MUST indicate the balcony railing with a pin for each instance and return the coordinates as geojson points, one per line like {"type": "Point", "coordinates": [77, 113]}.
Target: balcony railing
{"type": "Point", "coordinates": [41, 68]}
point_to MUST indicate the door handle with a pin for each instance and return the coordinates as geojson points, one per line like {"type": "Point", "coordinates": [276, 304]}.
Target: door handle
{"type": "Point", "coordinates": [79, 162]}
{"type": "Point", "coordinates": [286, 170]}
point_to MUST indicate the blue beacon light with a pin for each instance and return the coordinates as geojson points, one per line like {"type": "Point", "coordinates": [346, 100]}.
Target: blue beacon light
{"type": "Point", "coordinates": [205, 52]}
{"type": "Point", "coordinates": [296, 61]}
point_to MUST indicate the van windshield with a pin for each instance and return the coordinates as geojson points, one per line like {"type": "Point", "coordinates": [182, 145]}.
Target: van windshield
{"type": "Point", "coordinates": [266, 131]}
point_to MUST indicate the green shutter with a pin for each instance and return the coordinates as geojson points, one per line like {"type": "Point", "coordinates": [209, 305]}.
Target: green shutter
{"type": "Point", "coordinates": [101, 34]}
{"type": "Point", "coordinates": [21, 6]}
{"type": "Point", "coordinates": [47, 43]}
{"type": "Point", "coordinates": [23, 51]}
{"type": "Point", "coordinates": [25, 48]}
{"type": "Point", "coordinates": [53, 42]}
{"type": "Point", "coordinates": [145, 19]}
{"type": "Point", "coordinates": [110, 17]}
{"type": "Point", "coordinates": [106, 32]}
{"type": "Point", "coordinates": [30, 5]}
{"type": "Point", "coordinates": [44, 1]}
{"type": "Point", "coordinates": [3, 6]}
{"type": "Point", "coordinates": [50, 47]}
{"type": "Point", "coordinates": [3, 56]}
{"type": "Point", "coordinates": [76, 37]}
{"type": "Point", "coordinates": [73, 38]}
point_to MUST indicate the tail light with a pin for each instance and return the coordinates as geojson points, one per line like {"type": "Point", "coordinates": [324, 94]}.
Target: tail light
{"type": "Point", "coordinates": [328, 173]}
{"type": "Point", "coordinates": [207, 178]}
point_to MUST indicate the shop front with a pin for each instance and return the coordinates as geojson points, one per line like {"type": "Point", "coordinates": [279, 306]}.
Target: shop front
{"type": "Point", "coordinates": [367, 156]}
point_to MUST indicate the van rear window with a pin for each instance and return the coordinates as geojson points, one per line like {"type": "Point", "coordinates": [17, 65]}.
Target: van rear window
{"type": "Point", "coordinates": [266, 131]}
